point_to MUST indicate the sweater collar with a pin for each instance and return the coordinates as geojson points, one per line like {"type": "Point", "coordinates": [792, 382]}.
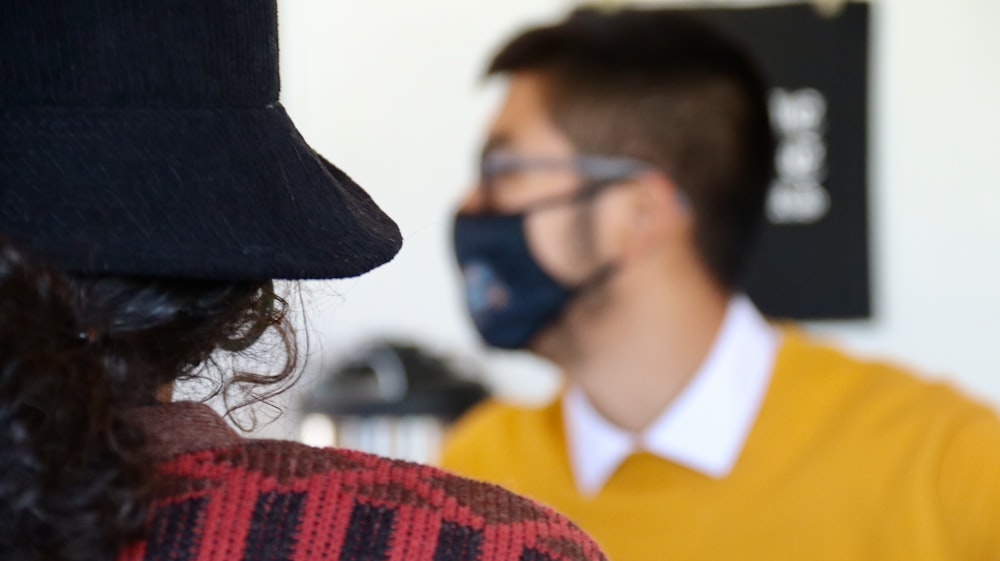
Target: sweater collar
{"type": "Point", "coordinates": [181, 427]}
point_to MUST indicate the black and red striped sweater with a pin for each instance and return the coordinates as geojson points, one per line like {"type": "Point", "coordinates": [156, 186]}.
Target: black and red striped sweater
{"type": "Point", "coordinates": [225, 498]}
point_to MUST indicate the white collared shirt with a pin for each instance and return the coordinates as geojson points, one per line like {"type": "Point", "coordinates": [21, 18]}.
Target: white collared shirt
{"type": "Point", "coordinates": [704, 428]}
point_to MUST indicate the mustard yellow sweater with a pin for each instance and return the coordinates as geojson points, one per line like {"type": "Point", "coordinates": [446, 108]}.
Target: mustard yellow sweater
{"type": "Point", "coordinates": [848, 460]}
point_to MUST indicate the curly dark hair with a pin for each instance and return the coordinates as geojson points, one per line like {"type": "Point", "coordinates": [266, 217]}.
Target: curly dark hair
{"type": "Point", "coordinates": [76, 353]}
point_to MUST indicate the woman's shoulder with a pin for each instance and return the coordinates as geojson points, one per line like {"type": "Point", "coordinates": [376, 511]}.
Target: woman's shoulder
{"type": "Point", "coordinates": [317, 503]}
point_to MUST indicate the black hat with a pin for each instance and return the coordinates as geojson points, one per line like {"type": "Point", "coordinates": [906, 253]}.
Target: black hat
{"type": "Point", "coordinates": [146, 138]}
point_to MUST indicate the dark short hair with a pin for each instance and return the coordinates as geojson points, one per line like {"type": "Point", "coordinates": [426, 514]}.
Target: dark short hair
{"type": "Point", "coordinates": [664, 87]}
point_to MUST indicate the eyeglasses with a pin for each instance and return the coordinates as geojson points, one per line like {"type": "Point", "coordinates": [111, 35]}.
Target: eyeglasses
{"type": "Point", "coordinates": [596, 170]}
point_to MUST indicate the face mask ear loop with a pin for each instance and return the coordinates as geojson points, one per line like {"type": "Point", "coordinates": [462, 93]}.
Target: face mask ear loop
{"type": "Point", "coordinates": [596, 280]}
{"type": "Point", "coordinates": [585, 194]}
{"type": "Point", "coordinates": [604, 272]}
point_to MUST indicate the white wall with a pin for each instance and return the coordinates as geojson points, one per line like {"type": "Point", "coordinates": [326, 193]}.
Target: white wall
{"type": "Point", "coordinates": [936, 193]}
{"type": "Point", "coordinates": [390, 91]}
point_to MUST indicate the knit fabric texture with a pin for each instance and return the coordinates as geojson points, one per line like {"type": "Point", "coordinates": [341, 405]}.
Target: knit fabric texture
{"type": "Point", "coordinates": [224, 498]}
{"type": "Point", "coordinates": [147, 138]}
{"type": "Point", "coordinates": [848, 459]}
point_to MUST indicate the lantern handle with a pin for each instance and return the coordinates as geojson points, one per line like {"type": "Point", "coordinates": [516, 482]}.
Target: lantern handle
{"type": "Point", "coordinates": [827, 8]}
{"type": "Point", "coordinates": [390, 374]}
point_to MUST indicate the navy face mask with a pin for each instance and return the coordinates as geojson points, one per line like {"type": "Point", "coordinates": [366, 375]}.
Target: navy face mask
{"type": "Point", "coordinates": [510, 297]}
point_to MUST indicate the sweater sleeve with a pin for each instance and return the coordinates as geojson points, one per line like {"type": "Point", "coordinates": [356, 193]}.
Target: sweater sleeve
{"type": "Point", "coordinates": [970, 487]}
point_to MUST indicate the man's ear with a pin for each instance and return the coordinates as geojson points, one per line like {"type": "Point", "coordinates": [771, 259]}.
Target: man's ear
{"type": "Point", "coordinates": [659, 211]}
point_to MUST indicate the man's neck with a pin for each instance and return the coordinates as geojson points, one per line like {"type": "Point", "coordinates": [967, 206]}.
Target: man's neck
{"type": "Point", "coordinates": [638, 358]}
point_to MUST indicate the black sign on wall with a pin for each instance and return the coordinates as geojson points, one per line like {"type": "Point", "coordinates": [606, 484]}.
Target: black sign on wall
{"type": "Point", "coordinates": [812, 259]}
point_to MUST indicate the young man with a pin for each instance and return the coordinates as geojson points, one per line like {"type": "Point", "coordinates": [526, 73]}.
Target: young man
{"type": "Point", "coordinates": [622, 182]}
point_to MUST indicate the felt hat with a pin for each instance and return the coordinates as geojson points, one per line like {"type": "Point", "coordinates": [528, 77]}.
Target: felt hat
{"type": "Point", "coordinates": [146, 138]}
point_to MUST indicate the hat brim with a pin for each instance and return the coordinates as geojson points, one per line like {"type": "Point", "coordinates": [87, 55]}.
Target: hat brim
{"type": "Point", "coordinates": [228, 194]}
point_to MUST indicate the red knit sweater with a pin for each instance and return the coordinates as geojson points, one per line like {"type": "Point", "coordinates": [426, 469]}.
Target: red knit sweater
{"type": "Point", "coordinates": [224, 498]}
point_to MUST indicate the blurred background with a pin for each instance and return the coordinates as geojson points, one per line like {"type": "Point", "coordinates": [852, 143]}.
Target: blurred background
{"type": "Point", "coordinates": [391, 91]}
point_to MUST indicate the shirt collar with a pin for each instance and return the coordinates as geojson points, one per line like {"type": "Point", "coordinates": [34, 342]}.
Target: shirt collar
{"type": "Point", "coordinates": [704, 428]}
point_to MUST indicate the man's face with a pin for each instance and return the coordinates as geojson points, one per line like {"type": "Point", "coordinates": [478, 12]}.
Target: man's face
{"type": "Point", "coordinates": [560, 236]}
{"type": "Point", "coordinates": [601, 222]}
